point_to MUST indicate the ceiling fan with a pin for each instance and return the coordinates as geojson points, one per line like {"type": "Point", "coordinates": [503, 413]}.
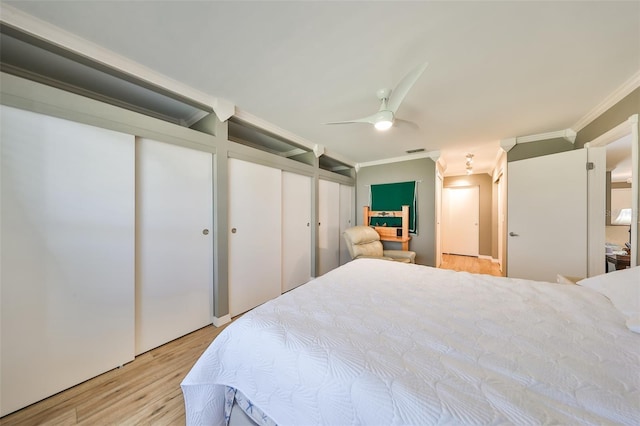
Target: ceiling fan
{"type": "Point", "coordinates": [390, 101]}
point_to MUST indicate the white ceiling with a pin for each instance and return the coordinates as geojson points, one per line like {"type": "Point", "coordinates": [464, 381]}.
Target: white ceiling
{"type": "Point", "coordinates": [496, 69]}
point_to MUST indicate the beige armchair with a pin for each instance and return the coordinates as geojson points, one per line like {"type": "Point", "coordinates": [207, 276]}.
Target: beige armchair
{"type": "Point", "coordinates": [364, 241]}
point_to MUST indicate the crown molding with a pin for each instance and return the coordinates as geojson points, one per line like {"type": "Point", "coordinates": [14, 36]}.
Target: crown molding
{"type": "Point", "coordinates": [621, 130]}
{"type": "Point", "coordinates": [620, 93]}
{"type": "Point", "coordinates": [409, 157]}
{"type": "Point", "coordinates": [567, 134]}
{"type": "Point", "coordinates": [508, 144]}
{"type": "Point", "coordinates": [38, 28]}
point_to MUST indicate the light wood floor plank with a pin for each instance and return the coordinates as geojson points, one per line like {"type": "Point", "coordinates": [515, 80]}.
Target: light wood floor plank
{"type": "Point", "coordinates": [145, 391]}
{"type": "Point", "coordinates": [470, 264]}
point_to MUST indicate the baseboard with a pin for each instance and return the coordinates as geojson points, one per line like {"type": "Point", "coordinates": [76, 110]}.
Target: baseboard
{"type": "Point", "coordinates": [219, 322]}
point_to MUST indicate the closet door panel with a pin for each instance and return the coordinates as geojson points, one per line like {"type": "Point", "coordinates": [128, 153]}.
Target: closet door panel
{"type": "Point", "coordinates": [174, 252]}
{"type": "Point", "coordinates": [296, 230]}
{"type": "Point", "coordinates": [329, 228]}
{"type": "Point", "coordinates": [67, 254]}
{"type": "Point", "coordinates": [255, 235]}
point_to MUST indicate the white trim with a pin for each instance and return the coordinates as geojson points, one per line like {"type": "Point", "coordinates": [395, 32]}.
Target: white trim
{"type": "Point", "coordinates": [625, 89]}
{"type": "Point", "coordinates": [219, 322]}
{"type": "Point", "coordinates": [613, 134]}
{"type": "Point", "coordinates": [398, 159]}
{"type": "Point", "coordinates": [485, 257]}
{"type": "Point", "coordinates": [434, 155]}
{"type": "Point", "coordinates": [71, 42]}
{"type": "Point", "coordinates": [498, 170]}
{"type": "Point", "coordinates": [508, 144]}
{"type": "Point", "coordinates": [635, 202]}
{"type": "Point", "coordinates": [630, 126]}
{"type": "Point", "coordinates": [441, 166]}
{"type": "Point", "coordinates": [568, 134]}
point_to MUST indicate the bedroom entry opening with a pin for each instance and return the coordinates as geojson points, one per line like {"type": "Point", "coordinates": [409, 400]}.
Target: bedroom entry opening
{"type": "Point", "coordinates": [460, 218]}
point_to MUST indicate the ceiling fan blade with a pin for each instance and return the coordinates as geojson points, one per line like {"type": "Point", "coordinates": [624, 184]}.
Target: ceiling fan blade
{"type": "Point", "coordinates": [370, 119]}
{"type": "Point", "coordinates": [398, 94]}
{"type": "Point", "coordinates": [399, 122]}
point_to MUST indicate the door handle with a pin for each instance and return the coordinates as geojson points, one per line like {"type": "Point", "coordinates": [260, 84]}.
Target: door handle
{"type": "Point", "coordinates": [513, 234]}
{"type": "Point", "coordinates": [205, 232]}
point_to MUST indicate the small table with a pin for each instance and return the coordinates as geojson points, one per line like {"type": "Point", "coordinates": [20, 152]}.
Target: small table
{"type": "Point", "coordinates": [620, 261]}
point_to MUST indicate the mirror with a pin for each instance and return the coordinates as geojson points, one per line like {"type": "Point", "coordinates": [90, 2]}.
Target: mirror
{"type": "Point", "coordinates": [619, 197]}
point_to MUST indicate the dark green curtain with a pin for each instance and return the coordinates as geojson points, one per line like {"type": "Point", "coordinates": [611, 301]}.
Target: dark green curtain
{"type": "Point", "coordinates": [391, 197]}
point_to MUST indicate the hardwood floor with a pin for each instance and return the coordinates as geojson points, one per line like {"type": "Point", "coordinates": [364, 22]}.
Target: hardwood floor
{"type": "Point", "coordinates": [145, 391]}
{"type": "Point", "coordinates": [470, 264]}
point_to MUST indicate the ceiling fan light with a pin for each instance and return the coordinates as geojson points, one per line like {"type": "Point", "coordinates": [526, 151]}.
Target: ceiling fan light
{"type": "Point", "coordinates": [383, 125]}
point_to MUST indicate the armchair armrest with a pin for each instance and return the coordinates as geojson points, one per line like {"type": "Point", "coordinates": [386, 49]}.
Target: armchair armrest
{"type": "Point", "coordinates": [401, 255]}
{"type": "Point", "coordinates": [374, 257]}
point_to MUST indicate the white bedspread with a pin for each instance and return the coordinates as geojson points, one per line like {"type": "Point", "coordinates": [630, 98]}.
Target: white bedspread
{"type": "Point", "coordinates": [382, 343]}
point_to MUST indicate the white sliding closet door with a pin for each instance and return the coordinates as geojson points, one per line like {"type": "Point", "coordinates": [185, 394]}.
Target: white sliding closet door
{"type": "Point", "coordinates": [346, 220]}
{"type": "Point", "coordinates": [296, 230]}
{"type": "Point", "coordinates": [174, 267]}
{"type": "Point", "coordinates": [67, 261]}
{"type": "Point", "coordinates": [255, 235]}
{"type": "Point", "coordinates": [329, 228]}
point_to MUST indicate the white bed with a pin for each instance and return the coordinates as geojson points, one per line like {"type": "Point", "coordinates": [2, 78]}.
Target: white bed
{"type": "Point", "coordinates": [384, 343]}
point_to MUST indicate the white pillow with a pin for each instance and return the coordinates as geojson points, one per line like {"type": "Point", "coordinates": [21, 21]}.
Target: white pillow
{"type": "Point", "coordinates": [621, 287]}
{"type": "Point", "coordinates": [633, 324]}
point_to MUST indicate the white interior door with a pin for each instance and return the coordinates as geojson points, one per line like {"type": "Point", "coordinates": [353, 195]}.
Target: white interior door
{"type": "Point", "coordinates": [174, 252]}
{"type": "Point", "coordinates": [329, 226]}
{"type": "Point", "coordinates": [547, 216]}
{"type": "Point", "coordinates": [67, 263]}
{"type": "Point", "coordinates": [346, 220]}
{"type": "Point", "coordinates": [255, 235]}
{"type": "Point", "coordinates": [461, 216]}
{"type": "Point", "coordinates": [296, 230]}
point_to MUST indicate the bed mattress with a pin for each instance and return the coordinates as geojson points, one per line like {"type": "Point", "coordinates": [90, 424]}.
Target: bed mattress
{"type": "Point", "coordinates": [379, 342]}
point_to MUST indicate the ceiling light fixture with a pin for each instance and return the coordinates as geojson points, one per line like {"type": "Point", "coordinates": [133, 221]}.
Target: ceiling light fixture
{"type": "Point", "coordinates": [468, 162]}
{"type": "Point", "coordinates": [383, 120]}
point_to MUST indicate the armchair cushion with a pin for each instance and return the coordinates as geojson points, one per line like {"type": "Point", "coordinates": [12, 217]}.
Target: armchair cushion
{"type": "Point", "coordinates": [364, 241]}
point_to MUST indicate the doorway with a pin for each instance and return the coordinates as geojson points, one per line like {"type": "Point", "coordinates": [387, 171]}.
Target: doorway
{"type": "Point", "coordinates": [460, 219]}
{"type": "Point", "coordinates": [614, 141]}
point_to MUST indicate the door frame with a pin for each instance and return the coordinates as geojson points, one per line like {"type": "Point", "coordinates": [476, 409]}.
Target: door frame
{"type": "Point", "coordinates": [629, 126]}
